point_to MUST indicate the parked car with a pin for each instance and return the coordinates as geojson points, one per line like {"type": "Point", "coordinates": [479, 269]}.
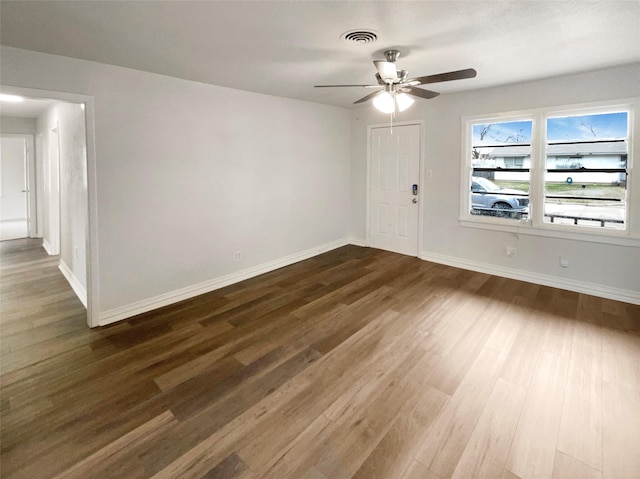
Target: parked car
{"type": "Point", "coordinates": [489, 199]}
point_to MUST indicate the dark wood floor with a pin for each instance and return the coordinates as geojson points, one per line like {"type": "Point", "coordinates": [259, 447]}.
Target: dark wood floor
{"type": "Point", "coordinates": [356, 363]}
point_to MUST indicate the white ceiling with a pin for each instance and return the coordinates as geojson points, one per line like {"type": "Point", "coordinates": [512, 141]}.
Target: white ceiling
{"type": "Point", "coordinates": [283, 48]}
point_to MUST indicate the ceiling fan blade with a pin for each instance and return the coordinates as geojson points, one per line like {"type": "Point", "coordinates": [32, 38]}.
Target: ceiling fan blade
{"type": "Point", "coordinates": [387, 70]}
{"type": "Point", "coordinates": [457, 75]}
{"type": "Point", "coordinates": [368, 97]}
{"type": "Point", "coordinates": [334, 86]}
{"type": "Point", "coordinates": [427, 94]}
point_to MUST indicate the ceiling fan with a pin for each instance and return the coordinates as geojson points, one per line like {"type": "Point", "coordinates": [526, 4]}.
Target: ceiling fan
{"type": "Point", "coordinates": [394, 86]}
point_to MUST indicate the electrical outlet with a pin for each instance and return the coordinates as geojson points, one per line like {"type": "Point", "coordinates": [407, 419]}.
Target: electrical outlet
{"type": "Point", "coordinates": [237, 256]}
{"type": "Point", "coordinates": [564, 262]}
{"type": "Point", "coordinates": [511, 251]}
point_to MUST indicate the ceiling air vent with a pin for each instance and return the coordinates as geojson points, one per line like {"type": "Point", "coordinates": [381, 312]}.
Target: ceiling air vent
{"type": "Point", "coordinates": [360, 36]}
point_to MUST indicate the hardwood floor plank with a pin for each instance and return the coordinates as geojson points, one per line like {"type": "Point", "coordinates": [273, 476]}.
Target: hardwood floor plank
{"type": "Point", "coordinates": [621, 358]}
{"type": "Point", "coordinates": [418, 471]}
{"type": "Point", "coordinates": [447, 439]}
{"type": "Point", "coordinates": [507, 328]}
{"type": "Point", "coordinates": [558, 333]}
{"type": "Point", "coordinates": [92, 464]}
{"type": "Point", "coordinates": [525, 351]}
{"type": "Point", "coordinates": [396, 450]}
{"type": "Point", "coordinates": [379, 375]}
{"type": "Point", "coordinates": [534, 444]}
{"type": "Point", "coordinates": [298, 457]}
{"type": "Point", "coordinates": [281, 428]}
{"type": "Point", "coordinates": [299, 397]}
{"type": "Point", "coordinates": [621, 431]}
{"type": "Point", "coordinates": [357, 434]}
{"type": "Point", "coordinates": [231, 467]}
{"type": "Point", "coordinates": [455, 359]}
{"type": "Point", "coordinates": [566, 467]}
{"type": "Point", "coordinates": [165, 449]}
{"type": "Point", "coordinates": [507, 474]}
{"type": "Point", "coordinates": [488, 447]}
{"type": "Point", "coordinates": [580, 434]}
{"type": "Point", "coordinates": [359, 313]}
{"type": "Point", "coordinates": [75, 431]}
{"type": "Point", "coordinates": [589, 322]}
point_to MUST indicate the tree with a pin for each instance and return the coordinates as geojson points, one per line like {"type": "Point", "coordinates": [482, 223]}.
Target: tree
{"type": "Point", "coordinates": [590, 128]}
{"type": "Point", "coordinates": [516, 138]}
{"type": "Point", "coordinates": [484, 131]}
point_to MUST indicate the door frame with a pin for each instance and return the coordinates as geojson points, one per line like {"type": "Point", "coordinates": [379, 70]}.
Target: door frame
{"type": "Point", "coordinates": [30, 161]}
{"type": "Point", "coordinates": [421, 182]}
{"type": "Point", "coordinates": [91, 232]}
{"type": "Point", "coordinates": [54, 210]}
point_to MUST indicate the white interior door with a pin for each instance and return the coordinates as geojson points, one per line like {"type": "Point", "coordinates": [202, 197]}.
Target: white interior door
{"type": "Point", "coordinates": [13, 189]}
{"type": "Point", "coordinates": [394, 169]}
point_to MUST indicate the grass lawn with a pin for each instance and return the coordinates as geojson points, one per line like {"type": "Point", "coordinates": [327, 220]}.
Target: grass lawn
{"type": "Point", "coordinates": [598, 190]}
{"type": "Point", "coordinates": [602, 190]}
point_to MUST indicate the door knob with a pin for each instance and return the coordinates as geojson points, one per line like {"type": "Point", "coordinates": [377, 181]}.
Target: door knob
{"type": "Point", "coordinates": [415, 200]}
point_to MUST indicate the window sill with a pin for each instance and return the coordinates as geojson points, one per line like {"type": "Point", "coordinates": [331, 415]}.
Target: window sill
{"type": "Point", "coordinates": [610, 237]}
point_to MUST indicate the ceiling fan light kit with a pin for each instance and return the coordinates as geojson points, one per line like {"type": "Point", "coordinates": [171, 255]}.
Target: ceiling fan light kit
{"type": "Point", "coordinates": [403, 101]}
{"type": "Point", "coordinates": [396, 89]}
{"type": "Point", "coordinates": [387, 102]}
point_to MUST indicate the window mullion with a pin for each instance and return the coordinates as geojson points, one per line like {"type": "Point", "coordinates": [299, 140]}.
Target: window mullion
{"type": "Point", "coordinates": [538, 157]}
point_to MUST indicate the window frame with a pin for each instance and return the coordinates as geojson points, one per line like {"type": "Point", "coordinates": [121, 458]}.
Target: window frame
{"type": "Point", "coordinates": [534, 224]}
{"type": "Point", "coordinates": [465, 185]}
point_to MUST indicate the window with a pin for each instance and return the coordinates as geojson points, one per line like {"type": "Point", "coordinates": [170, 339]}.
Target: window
{"type": "Point", "coordinates": [550, 170]}
{"type": "Point", "coordinates": [500, 160]}
{"type": "Point", "coordinates": [585, 181]}
{"type": "Point", "coordinates": [513, 162]}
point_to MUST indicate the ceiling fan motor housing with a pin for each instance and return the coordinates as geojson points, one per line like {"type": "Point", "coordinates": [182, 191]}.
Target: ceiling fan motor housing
{"type": "Point", "coordinates": [392, 55]}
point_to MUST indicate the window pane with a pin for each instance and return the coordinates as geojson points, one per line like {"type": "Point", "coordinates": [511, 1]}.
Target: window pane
{"type": "Point", "coordinates": [586, 176]}
{"type": "Point", "coordinates": [500, 159]}
{"type": "Point", "coordinates": [587, 127]}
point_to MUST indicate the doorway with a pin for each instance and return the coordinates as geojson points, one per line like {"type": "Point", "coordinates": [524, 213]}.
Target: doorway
{"type": "Point", "coordinates": [16, 216]}
{"type": "Point", "coordinates": [394, 206]}
{"type": "Point", "coordinates": [65, 183]}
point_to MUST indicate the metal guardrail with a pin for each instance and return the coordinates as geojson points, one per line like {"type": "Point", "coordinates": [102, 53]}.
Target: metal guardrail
{"type": "Point", "coordinates": [576, 218]}
{"type": "Point", "coordinates": [517, 215]}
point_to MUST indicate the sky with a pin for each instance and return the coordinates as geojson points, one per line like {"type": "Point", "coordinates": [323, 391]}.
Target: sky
{"type": "Point", "coordinates": [507, 132]}
{"type": "Point", "coordinates": [584, 127]}
{"type": "Point", "coordinates": [587, 127]}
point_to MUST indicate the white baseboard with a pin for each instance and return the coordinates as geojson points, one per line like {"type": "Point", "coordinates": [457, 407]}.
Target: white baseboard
{"type": "Point", "coordinates": [80, 290]}
{"type": "Point", "coordinates": [358, 242]}
{"type": "Point", "coordinates": [624, 295]}
{"type": "Point", "coordinates": [47, 247]}
{"type": "Point", "coordinates": [139, 307]}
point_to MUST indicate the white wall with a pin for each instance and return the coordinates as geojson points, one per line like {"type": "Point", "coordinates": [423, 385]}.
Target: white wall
{"type": "Point", "coordinates": [189, 173]}
{"type": "Point", "coordinates": [69, 119]}
{"type": "Point", "coordinates": [607, 267]}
